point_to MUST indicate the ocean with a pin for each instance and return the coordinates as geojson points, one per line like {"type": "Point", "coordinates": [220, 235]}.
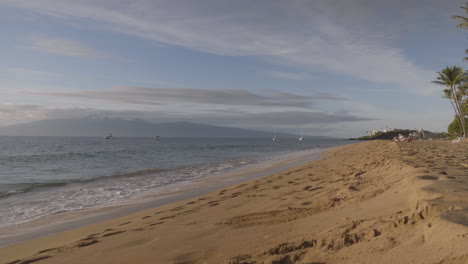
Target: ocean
{"type": "Point", "coordinates": [43, 176]}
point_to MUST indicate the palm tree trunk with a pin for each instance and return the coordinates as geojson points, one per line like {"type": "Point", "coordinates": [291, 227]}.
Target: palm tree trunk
{"type": "Point", "coordinates": [455, 110]}
{"type": "Point", "coordinates": [459, 113]}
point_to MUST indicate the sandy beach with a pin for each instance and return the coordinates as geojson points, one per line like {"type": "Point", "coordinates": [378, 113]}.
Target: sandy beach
{"type": "Point", "coordinates": [371, 202]}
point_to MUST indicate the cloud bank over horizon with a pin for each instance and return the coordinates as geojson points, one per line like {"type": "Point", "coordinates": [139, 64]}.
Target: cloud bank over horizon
{"type": "Point", "coordinates": [231, 118]}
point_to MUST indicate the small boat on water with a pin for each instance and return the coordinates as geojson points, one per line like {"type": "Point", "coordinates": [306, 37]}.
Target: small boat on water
{"type": "Point", "coordinates": [156, 138]}
{"type": "Point", "coordinates": [109, 136]}
{"type": "Point", "coordinates": [301, 138]}
{"type": "Point", "coordinates": [274, 134]}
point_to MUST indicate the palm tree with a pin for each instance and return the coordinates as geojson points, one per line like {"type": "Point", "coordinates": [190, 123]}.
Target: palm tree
{"type": "Point", "coordinates": [463, 20]}
{"type": "Point", "coordinates": [465, 58]}
{"type": "Point", "coordinates": [453, 77]}
{"type": "Point", "coordinates": [448, 95]}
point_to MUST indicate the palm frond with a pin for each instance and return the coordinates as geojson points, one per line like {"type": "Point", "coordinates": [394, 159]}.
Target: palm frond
{"type": "Point", "coordinates": [439, 83]}
{"type": "Point", "coordinates": [463, 20]}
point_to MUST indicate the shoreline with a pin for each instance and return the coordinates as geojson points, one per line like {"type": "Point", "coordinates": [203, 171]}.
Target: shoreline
{"type": "Point", "coordinates": [371, 202]}
{"type": "Point", "coordinates": [53, 224]}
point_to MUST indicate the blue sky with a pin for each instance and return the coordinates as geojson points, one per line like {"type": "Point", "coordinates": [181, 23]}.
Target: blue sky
{"type": "Point", "coordinates": [331, 67]}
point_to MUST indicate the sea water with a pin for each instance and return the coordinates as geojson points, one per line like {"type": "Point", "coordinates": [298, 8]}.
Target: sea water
{"type": "Point", "coordinates": [42, 176]}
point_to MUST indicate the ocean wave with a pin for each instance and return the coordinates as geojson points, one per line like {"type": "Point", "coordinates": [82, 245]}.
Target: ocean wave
{"type": "Point", "coordinates": [138, 173]}
{"type": "Point", "coordinates": [65, 155]}
{"type": "Point", "coordinates": [26, 187]}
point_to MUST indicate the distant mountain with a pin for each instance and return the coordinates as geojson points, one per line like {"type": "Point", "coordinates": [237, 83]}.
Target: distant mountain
{"type": "Point", "coordinates": [89, 127]}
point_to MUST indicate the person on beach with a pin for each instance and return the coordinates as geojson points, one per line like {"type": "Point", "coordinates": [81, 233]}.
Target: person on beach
{"type": "Point", "coordinates": [401, 138]}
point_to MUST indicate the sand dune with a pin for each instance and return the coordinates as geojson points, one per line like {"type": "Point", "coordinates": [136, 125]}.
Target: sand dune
{"type": "Point", "coordinates": [372, 202]}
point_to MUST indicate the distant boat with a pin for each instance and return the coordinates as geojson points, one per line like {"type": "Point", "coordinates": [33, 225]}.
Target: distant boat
{"type": "Point", "coordinates": [156, 138]}
{"type": "Point", "coordinates": [109, 136]}
{"type": "Point", "coordinates": [302, 136]}
{"type": "Point", "coordinates": [274, 134]}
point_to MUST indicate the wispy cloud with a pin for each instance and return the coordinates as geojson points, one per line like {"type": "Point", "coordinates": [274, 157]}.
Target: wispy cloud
{"type": "Point", "coordinates": [231, 97]}
{"type": "Point", "coordinates": [65, 47]}
{"type": "Point", "coordinates": [32, 72]}
{"type": "Point", "coordinates": [289, 75]}
{"type": "Point", "coordinates": [345, 37]}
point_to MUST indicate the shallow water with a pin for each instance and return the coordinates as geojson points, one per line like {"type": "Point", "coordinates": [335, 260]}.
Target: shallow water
{"type": "Point", "coordinates": [41, 176]}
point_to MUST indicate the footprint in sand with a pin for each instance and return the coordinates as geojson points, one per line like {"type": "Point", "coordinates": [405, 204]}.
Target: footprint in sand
{"type": "Point", "coordinates": [242, 185]}
{"type": "Point", "coordinates": [30, 260]}
{"type": "Point", "coordinates": [157, 223]}
{"type": "Point", "coordinates": [86, 243]}
{"type": "Point", "coordinates": [314, 189]}
{"type": "Point", "coordinates": [428, 177]}
{"type": "Point", "coordinates": [167, 217]}
{"type": "Point", "coordinates": [177, 208]}
{"type": "Point", "coordinates": [126, 223]}
{"type": "Point", "coordinates": [93, 235]}
{"type": "Point", "coordinates": [113, 233]}
{"type": "Point", "coordinates": [47, 250]}
{"type": "Point", "coordinates": [234, 195]}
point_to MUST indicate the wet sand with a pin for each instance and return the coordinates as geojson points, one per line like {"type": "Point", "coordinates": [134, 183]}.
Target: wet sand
{"type": "Point", "coordinates": [372, 202]}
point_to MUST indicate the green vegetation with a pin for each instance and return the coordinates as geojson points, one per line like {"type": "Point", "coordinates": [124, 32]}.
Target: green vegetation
{"type": "Point", "coordinates": [454, 128]}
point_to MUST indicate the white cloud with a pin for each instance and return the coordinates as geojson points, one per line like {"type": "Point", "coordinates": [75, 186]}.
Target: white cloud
{"type": "Point", "coordinates": [65, 47]}
{"type": "Point", "coordinates": [290, 75]}
{"type": "Point", "coordinates": [32, 72]}
{"type": "Point", "coordinates": [336, 36]}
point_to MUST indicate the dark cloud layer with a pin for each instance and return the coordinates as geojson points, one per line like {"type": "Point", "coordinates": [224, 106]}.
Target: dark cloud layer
{"type": "Point", "coordinates": [232, 97]}
{"type": "Point", "coordinates": [238, 118]}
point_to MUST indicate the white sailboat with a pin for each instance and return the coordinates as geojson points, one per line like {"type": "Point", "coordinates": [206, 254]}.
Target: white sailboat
{"type": "Point", "coordinates": [274, 134]}
{"type": "Point", "coordinates": [109, 136]}
{"type": "Point", "coordinates": [302, 136]}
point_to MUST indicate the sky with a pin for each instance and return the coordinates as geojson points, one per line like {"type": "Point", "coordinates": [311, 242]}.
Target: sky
{"type": "Point", "coordinates": [329, 67]}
